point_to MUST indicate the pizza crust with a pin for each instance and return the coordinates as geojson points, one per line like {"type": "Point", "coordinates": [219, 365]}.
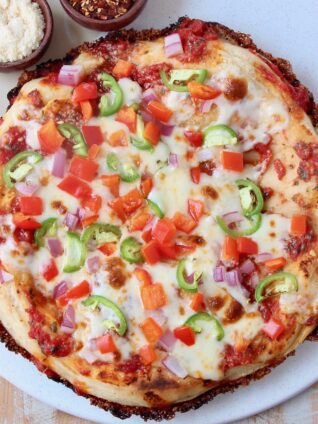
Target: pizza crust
{"type": "Point", "coordinates": [147, 401]}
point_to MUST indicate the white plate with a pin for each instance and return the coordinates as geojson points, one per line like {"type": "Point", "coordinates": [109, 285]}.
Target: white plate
{"type": "Point", "coordinates": [285, 28]}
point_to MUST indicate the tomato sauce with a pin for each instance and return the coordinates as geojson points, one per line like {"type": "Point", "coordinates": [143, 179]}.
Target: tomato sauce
{"type": "Point", "coordinates": [308, 165]}
{"type": "Point", "coordinates": [132, 365]}
{"type": "Point", "coordinates": [279, 168]}
{"type": "Point", "coordinates": [298, 245]}
{"type": "Point", "coordinates": [148, 76]}
{"type": "Point", "coordinates": [59, 345]}
{"type": "Point", "coordinates": [13, 141]}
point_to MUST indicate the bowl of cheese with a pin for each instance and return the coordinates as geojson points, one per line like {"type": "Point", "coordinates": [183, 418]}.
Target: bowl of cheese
{"type": "Point", "coordinates": [26, 28]}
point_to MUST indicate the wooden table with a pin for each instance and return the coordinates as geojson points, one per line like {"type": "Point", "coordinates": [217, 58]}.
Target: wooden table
{"type": "Point", "coordinates": [19, 408]}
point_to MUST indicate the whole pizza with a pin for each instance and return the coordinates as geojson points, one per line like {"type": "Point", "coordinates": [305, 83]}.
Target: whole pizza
{"type": "Point", "coordinates": [158, 217]}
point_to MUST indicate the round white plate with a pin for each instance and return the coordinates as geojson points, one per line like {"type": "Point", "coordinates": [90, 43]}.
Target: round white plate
{"type": "Point", "coordinates": [285, 28]}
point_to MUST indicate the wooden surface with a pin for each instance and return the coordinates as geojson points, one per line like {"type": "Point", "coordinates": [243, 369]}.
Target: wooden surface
{"type": "Point", "coordinates": [19, 408]}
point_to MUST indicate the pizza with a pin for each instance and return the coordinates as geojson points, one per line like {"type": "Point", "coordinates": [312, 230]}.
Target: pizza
{"type": "Point", "coordinates": [158, 217]}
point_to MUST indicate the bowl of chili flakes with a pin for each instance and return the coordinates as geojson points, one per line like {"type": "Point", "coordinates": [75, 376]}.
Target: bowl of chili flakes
{"type": "Point", "coordinates": [103, 15]}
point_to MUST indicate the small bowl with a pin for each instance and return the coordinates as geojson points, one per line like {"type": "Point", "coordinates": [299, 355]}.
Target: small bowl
{"type": "Point", "coordinates": [39, 52]}
{"type": "Point", "coordinates": [102, 25]}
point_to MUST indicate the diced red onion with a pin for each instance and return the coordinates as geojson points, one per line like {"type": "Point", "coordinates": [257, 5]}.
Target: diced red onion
{"type": "Point", "coordinates": [70, 75]}
{"type": "Point", "coordinates": [68, 323]}
{"type": "Point", "coordinates": [165, 129]}
{"type": "Point", "coordinates": [262, 257]}
{"type": "Point", "coordinates": [247, 267]}
{"type": "Point", "coordinates": [231, 217]}
{"type": "Point", "coordinates": [254, 280]}
{"type": "Point", "coordinates": [5, 277]}
{"type": "Point", "coordinates": [219, 274]}
{"type": "Point", "coordinates": [27, 188]}
{"type": "Point", "coordinates": [204, 154]}
{"type": "Point", "coordinates": [71, 221]}
{"type": "Point", "coordinates": [93, 344]}
{"type": "Point", "coordinates": [159, 316]}
{"type": "Point", "coordinates": [206, 106]}
{"type": "Point", "coordinates": [173, 365]}
{"type": "Point", "coordinates": [233, 278]}
{"type": "Point", "coordinates": [149, 95]}
{"type": "Point", "coordinates": [167, 340]}
{"type": "Point", "coordinates": [174, 160]}
{"type": "Point", "coordinates": [60, 290]}
{"type": "Point", "coordinates": [83, 213]}
{"type": "Point", "coordinates": [93, 264]}
{"type": "Point", "coordinates": [173, 45]}
{"type": "Point", "coordinates": [59, 163]}
{"type": "Point", "coordinates": [147, 117]}
{"type": "Point", "coordinates": [55, 247]}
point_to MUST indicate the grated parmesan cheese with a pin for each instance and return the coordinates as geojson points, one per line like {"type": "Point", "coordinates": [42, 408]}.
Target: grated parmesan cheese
{"type": "Point", "coordinates": [21, 28]}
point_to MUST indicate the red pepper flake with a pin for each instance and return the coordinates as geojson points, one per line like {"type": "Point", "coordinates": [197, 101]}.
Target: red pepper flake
{"type": "Point", "coordinates": [279, 168]}
{"type": "Point", "coordinates": [102, 9]}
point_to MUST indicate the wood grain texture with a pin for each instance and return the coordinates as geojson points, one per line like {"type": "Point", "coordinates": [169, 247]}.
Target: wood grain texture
{"type": "Point", "coordinates": [18, 408]}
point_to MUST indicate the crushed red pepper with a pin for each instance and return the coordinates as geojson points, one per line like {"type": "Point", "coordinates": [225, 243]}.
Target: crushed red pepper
{"type": "Point", "coordinates": [102, 9]}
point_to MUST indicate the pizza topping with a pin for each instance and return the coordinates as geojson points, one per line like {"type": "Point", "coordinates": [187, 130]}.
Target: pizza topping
{"type": "Point", "coordinates": [179, 78]}
{"type": "Point", "coordinates": [173, 365]}
{"type": "Point", "coordinates": [189, 284]}
{"type": "Point", "coordinates": [130, 250]}
{"type": "Point", "coordinates": [75, 253]}
{"type": "Point", "coordinates": [219, 135]}
{"type": "Point", "coordinates": [48, 228]}
{"type": "Point", "coordinates": [173, 45]}
{"type": "Point", "coordinates": [70, 75]}
{"type": "Point", "coordinates": [96, 301]}
{"type": "Point", "coordinates": [192, 322]}
{"type": "Point", "coordinates": [71, 132]}
{"type": "Point", "coordinates": [145, 140]}
{"type": "Point", "coordinates": [20, 166]}
{"type": "Point", "coordinates": [255, 222]}
{"type": "Point", "coordinates": [298, 225]}
{"type": "Point", "coordinates": [251, 197]}
{"type": "Point", "coordinates": [110, 105]}
{"type": "Point", "coordinates": [279, 168]}
{"type": "Point", "coordinates": [265, 288]}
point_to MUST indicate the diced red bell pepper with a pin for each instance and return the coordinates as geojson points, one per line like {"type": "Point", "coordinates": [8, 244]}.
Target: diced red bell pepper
{"type": "Point", "coordinates": [85, 91]}
{"type": "Point", "coordinates": [151, 252]}
{"type": "Point", "coordinates": [143, 276]}
{"type": "Point", "coordinates": [50, 270]}
{"type": "Point", "coordinates": [87, 110]}
{"type": "Point", "coordinates": [152, 331]}
{"type": "Point", "coordinates": [197, 302]}
{"type": "Point", "coordinates": [194, 137]}
{"type": "Point", "coordinates": [93, 135]}
{"type": "Point", "coordinates": [247, 245]}
{"type": "Point", "coordinates": [128, 116]}
{"type": "Point", "coordinates": [153, 296]}
{"type": "Point", "coordinates": [139, 221]}
{"type": "Point", "coordinates": [93, 203]}
{"type": "Point", "coordinates": [164, 231]}
{"type": "Point", "coordinates": [112, 182]}
{"type": "Point", "coordinates": [298, 225]}
{"type": "Point", "coordinates": [185, 334]}
{"type": "Point", "coordinates": [93, 151]}
{"type": "Point", "coordinates": [118, 139]}
{"type": "Point", "coordinates": [152, 133]}
{"type": "Point", "coordinates": [168, 251]}
{"type": "Point", "coordinates": [106, 344]}
{"type": "Point", "coordinates": [31, 205]}
{"type": "Point", "coordinates": [75, 187]}
{"type": "Point", "coordinates": [81, 290]}
{"type": "Point", "coordinates": [184, 223]}
{"type": "Point", "coordinates": [25, 222]}
{"type": "Point", "coordinates": [159, 111]}
{"type": "Point", "coordinates": [230, 251]}
{"type": "Point", "coordinates": [49, 137]}
{"type": "Point", "coordinates": [123, 69]}
{"type": "Point", "coordinates": [146, 185]}
{"type": "Point", "coordinates": [148, 354]}
{"type": "Point", "coordinates": [195, 173]}
{"type": "Point", "coordinates": [147, 235]}
{"type": "Point", "coordinates": [275, 264]}
{"type": "Point", "coordinates": [203, 91]}
{"type": "Point", "coordinates": [195, 209]}
{"type": "Point", "coordinates": [232, 161]}
{"type": "Point", "coordinates": [84, 168]}
{"type": "Point", "coordinates": [108, 248]}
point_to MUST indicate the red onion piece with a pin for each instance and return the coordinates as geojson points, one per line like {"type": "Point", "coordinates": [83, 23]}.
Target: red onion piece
{"type": "Point", "coordinates": [233, 278]}
{"type": "Point", "coordinates": [173, 45]}
{"type": "Point", "coordinates": [159, 316]}
{"type": "Point", "coordinates": [173, 365]}
{"type": "Point", "coordinates": [59, 163]}
{"type": "Point", "coordinates": [70, 75]}
{"type": "Point", "coordinates": [254, 280]}
{"type": "Point", "coordinates": [55, 247]}
{"type": "Point", "coordinates": [93, 264]}
{"type": "Point", "coordinates": [149, 95]}
{"type": "Point", "coordinates": [71, 221]}
{"type": "Point", "coordinates": [231, 217]}
{"type": "Point", "coordinates": [27, 188]}
{"type": "Point", "coordinates": [5, 277]}
{"type": "Point", "coordinates": [174, 160]}
{"type": "Point", "coordinates": [165, 129]}
{"type": "Point", "coordinates": [204, 154]}
{"type": "Point", "coordinates": [219, 274]}
{"type": "Point", "coordinates": [60, 290]}
{"type": "Point", "coordinates": [262, 257]}
{"type": "Point", "coordinates": [167, 340]}
{"type": "Point", "coordinates": [68, 323]}
{"type": "Point", "coordinates": [247, 267]}
{"type": "Point", "coordinates": [206, 106]}
{"type": "Point", "coordinates": [147, 117]}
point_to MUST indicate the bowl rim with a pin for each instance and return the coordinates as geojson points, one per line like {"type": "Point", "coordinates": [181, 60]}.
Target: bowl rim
{"type": "Point", "coordinates": [91, 21]}
{"type": "Point", "coordinates": [48, 19]}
